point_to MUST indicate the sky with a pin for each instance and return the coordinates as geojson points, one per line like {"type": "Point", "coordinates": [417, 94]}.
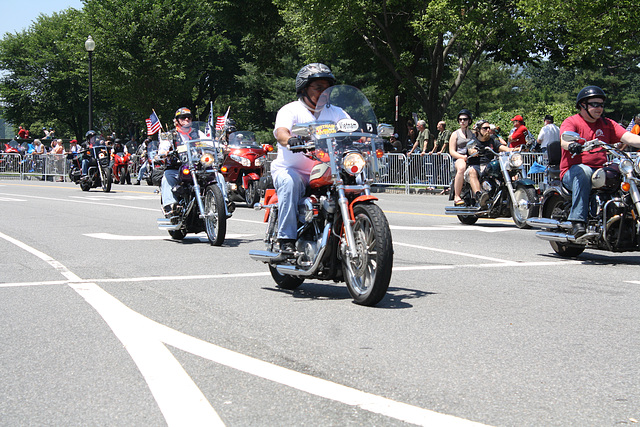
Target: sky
{"type": "Point", "coordinates": [18, 15]}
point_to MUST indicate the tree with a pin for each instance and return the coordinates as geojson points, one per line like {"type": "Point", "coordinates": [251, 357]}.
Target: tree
{"type": "Point", "coordinates": [46, 74]}
{"type": "Point", "coordinates": [427, 48]}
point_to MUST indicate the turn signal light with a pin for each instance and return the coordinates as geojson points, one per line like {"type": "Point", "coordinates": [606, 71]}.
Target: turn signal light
{"type": "Point", "coordinates": [625, 187]}
{"type": "Point", "coordinates": [186, 171]}
{"type": "Point", "coordinates": [379, 153]}
{"type": "Point", "coordinates": [223, 169]}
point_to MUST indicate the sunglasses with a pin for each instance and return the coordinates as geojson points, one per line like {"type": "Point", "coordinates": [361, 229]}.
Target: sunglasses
{"type": "Point", "coordinates": [486, 128]}
{"type": "Point", "coordinates": [596, 104]}
{"type": "Point", "coordinates": [463, 119]}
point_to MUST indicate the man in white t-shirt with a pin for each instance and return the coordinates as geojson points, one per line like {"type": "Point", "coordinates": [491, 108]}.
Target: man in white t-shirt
{"type": "Point", "coordinates": [549, 133]}
{"type": "Point", "coordinates": [290, 171]}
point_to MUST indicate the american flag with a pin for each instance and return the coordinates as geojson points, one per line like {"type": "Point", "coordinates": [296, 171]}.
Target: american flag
{"type": "Point", "coordinates": [220, 122]}
{"type": "Point", "coordinates": [153, 124]}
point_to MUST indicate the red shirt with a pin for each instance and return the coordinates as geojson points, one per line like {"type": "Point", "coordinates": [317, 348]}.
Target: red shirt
{"type": "Point", "coordinates": [604, 129]}
{"type": "Point", "coordinates": [22, 133]}
{"type": "Point", "coordinates": [518, 137]}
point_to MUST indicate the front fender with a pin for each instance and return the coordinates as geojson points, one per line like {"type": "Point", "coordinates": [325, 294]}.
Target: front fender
{"type": "Point", "coordinates": [248, 178]}
{"type": "Point", "coordinates": [360, 199]}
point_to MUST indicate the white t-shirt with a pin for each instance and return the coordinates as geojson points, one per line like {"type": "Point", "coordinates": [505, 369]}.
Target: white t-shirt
{"type": "Point", "coordinates": [289, 115]}
{"type": "Point", "coordinates": [548, 133]}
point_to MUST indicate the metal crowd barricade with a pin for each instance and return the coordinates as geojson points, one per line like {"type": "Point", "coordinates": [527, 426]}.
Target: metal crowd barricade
{"type": "Point", "coordinates": [10, 165]}
{"type": "Point", "coordinates": [528, 159]}
{"type": "Point", "coordinates": [429, 170]}
{"type": "Point", "coordinates": [55, 167]}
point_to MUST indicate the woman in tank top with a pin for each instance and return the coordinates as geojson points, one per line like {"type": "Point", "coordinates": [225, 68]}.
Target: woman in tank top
{"type": "Point", "coordinates": [458, 150]}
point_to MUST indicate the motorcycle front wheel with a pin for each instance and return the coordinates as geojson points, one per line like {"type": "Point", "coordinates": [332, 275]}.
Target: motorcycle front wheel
{"type": "Point", "coordinates": [107, 181]}
{"type": "Point", "coordinates": [251, 194]}
{"type": "Point", "coordinates": [369, 273]}
{"type": "Point", "coordinates": [524, 206]}
{"type": "Point", "coordinates": [215, 217]}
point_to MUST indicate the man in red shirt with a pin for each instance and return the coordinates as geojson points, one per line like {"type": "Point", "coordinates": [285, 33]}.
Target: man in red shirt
{"type": "Point", "coordinates": [576, 166]}
{"type": "Point", "coordinates": [517, 137]}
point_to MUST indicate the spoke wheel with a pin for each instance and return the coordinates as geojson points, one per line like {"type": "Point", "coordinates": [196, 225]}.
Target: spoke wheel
{"type": "Point", "coordinates": [107, 181]}
{"type": "Point", "coordinates": [523, 206]}
{"type": "Point", "coordinates": [369, 273]}
{"type": "Point", "coordinates": [215, 217]}
{"type": "Point", "coordinates": [251, 194]}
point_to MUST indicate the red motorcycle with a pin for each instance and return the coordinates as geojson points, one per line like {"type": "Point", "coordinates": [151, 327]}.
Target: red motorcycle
{"type": "Point", "coordinates": [244, 166]}
{"type": "Point", "coordinates": [121, 173]}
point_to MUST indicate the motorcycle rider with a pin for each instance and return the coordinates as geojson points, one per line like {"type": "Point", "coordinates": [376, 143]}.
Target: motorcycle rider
{"type": "Point", "coordinates": [91, 139]}
{"type": "Point", "coordinates": [183, 132]}
{"type": "Point", "coordinates": [576, 166]}
{"type": "Point", "coordinates": [290, 171]}
{"type": "Point", "coordinates": [476, 164]}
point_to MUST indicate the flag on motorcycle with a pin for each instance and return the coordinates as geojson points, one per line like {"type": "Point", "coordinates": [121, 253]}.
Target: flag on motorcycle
{"type": "Point", "coordinates": [222, 120]}
{"type": "Point", "coordinates": [153, 124]}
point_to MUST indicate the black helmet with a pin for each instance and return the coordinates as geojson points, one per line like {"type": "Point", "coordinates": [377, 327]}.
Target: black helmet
{"type": "Point", "coordinates": [183, 112]}
{"type": "Point", "coordinates": [311, 72]}
{"type": "Point", "coordinates": [590, 92]}
{"type": "Point", "coordinates": [90, 133]}
{"type": "Point", "coordinates": [466, 113]}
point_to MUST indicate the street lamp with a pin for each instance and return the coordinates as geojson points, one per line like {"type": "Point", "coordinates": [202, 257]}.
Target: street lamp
{"type": "Point", "coordinates": [89, 46]}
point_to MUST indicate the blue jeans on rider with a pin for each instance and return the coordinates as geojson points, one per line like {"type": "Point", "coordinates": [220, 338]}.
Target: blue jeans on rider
{"type": "Point", "coordinates": [578, 181]}
{"type": "Point", "coordinates": [85, 166]}
{"type": "Point", "coordinates": [169, 180]}
{"type": "Point", "coordinates": [290, 187]}
{"type": "Point", "coordinates": [143, 170]}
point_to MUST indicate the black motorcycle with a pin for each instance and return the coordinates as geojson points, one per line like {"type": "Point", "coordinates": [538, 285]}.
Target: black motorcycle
{"type": "Point", "coordinates": [200, 192]}
{"type": "Point", "coordinates": [99, 172]}
{"type": "Point", "coordinates": [509, 194]}
{"type": "Point", "coordinates": [614, 208]}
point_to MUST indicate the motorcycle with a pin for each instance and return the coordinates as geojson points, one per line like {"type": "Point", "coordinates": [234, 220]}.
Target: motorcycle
{"type": "Point", "coordinates": [342, 234]}
{"type": "Point", "coordinates": [614, 209]}
{"type": "Point", "coordinates": [244, 166]}
{"type": "Point", "coordinates": [121, 173]}
{"type": "Point", "coordinates": [201, 191]}
{"type": "Point", "coordinates": [510, 195]}
{"type": "Point", "coordinates": [99, 172]}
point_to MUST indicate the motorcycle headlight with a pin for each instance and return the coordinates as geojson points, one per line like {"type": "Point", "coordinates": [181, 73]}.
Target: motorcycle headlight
{"type": "Point", "coordinates": [101, 155]}
{"type": "Point", "coordinates": [353, 163]}
{"type": "Point", "coordinates": [261, 160]}
{"type": "Point", "coordinates": [242, 160]}
{"type": "Point", "coordinates": [626, 167]}
{"type": "Point", "coordinates": [207, 160]}
{"type": "Point", "coordinates": [636, 165]}
{"type": "Point", "coordinates": [515, 160]}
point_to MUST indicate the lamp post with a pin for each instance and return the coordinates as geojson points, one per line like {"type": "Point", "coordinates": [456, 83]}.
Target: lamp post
{"type": "Point", "coordinates": [89, 46]}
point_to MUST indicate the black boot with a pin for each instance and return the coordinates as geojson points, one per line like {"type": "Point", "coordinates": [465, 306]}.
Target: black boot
{"type": "Point", "coordinates": [578, 229]}
{"type": "Point", "coordinates": [287, 250]}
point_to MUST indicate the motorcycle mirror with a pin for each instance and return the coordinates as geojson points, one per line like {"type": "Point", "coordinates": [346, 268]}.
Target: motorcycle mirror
{"type": "Point", "coordinates": [385, 130]}
{"type": "Point", "coordinates": [571, 136]}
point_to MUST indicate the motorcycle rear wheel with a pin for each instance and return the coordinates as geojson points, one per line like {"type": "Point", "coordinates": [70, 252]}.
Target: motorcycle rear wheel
{"type": "Point", "coordinates": [285, 281]}
{"type": "Point", "coordinates": [468, 219]}
{"type": "Point", "coordinates": [177, 234]}
{"type": "Point", "coordinates": [565, 250]}
{"type": "Point", "coordinates": [520, 215]}
{"type": "Point", "coordinates": [215, 217]}
{"type": "Point", "coordinates": [107, 181]}
{"type": "Point", "coordinates": [368, 275]}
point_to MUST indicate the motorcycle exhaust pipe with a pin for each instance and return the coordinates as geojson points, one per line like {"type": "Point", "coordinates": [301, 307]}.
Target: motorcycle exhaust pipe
{"type": "Point", "coordinates": [549, 223]}
{"type": "Point", "coordinates": [553, 237]}
{"type": "Point", "coordinates": [295, 271]}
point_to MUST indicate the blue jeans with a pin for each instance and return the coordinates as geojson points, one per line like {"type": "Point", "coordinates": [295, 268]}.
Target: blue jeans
{"type": "Point", "coordinates": [143, 170]}
{"type": "Point", "coordinates": [578, 180]}
{"type": "Point", "coordinates": [169, 180]}
{"type": "Point", "coordinates": [290, 186]}
{"type": "Point", "coordinates": [85, 166]}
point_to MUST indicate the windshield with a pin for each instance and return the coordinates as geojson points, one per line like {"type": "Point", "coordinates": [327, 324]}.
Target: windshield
{"type": "Point", "coordinates": [243, 139]}
{"type": "Point", "coordinates": [347, 102]}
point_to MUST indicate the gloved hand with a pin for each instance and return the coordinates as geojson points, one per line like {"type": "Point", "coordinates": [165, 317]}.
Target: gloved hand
{"type": "Point", "coordinates": [575, 148]}
{"type": "Point", "coordinates": [294, 141]}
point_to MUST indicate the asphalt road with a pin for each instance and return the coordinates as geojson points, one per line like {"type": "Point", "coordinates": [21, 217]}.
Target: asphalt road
{"type": "Point", "coordinates": [106, 321]}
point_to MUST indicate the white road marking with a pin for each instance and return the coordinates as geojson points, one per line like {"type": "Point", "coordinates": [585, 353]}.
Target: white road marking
{"type": "Point", "coordinates": [179, 398]}
{"type": "Point", "coordinates": [87, 202]}
{"type": "Point", "coordinates": [109, 236]}
{"type": "Point", "coordinates": [9, 199]}
{"type": "Point", "coordinates": [447, 251]}
{"type": "Point", "coordinates": [454, 228]}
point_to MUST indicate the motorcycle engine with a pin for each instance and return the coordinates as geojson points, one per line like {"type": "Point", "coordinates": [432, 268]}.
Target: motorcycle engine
{"type": "Point", "coordinates": [490, 186]}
